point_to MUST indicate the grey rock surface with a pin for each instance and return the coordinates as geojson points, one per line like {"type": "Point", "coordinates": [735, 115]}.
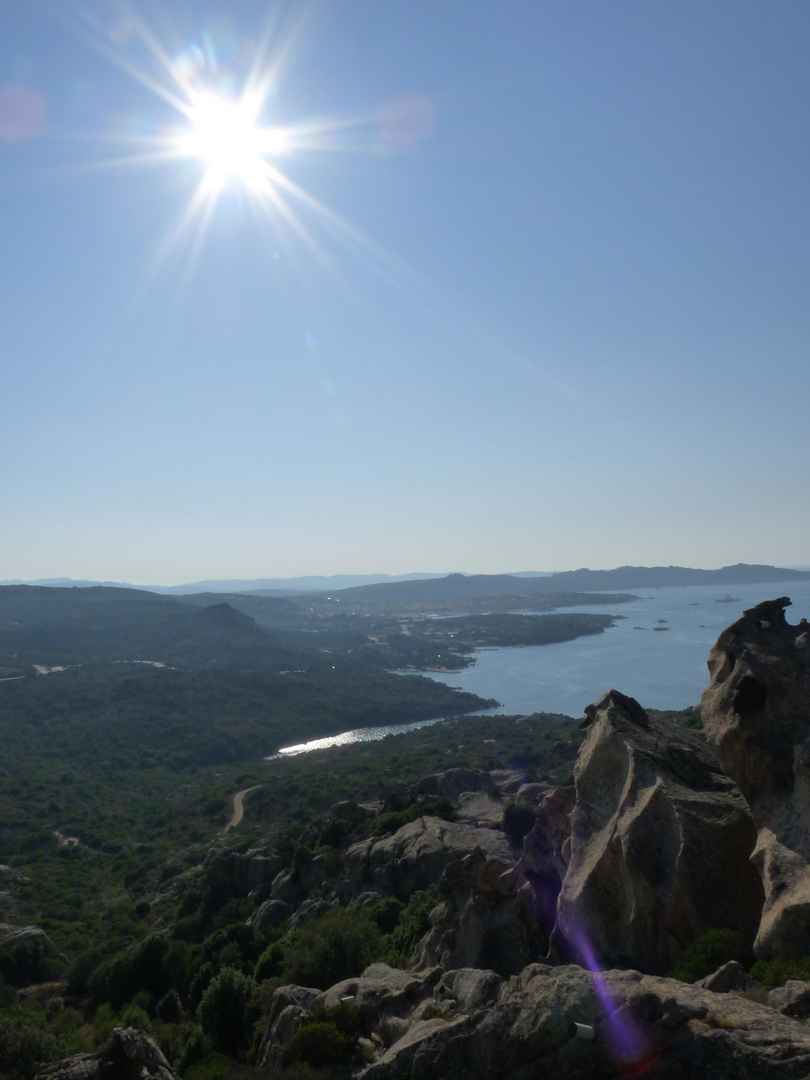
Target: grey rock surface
{"type": "Point", "coordinates": [792, 999]}
{"type": "Point", "coordinates": [485, 921]}
{"type": "Point", "coordinates": [241, 873]}
{"type": "Point", "coordinates": [756, 713]}
{"type": "Point", "coordinates": [416, 855]}
{"type": "Point", "coordinates": [545, 858]}
{"type": "Point", "coordinates": [730, 976]}
{"type": "Point", "coordinates": [129, 1055]}
{"type": "Point", "coordinates": [271, 914]}
{"type": "Point", "coordinates": [659, 834]}
{"type": "Point", "coordinates": [525, 1028]}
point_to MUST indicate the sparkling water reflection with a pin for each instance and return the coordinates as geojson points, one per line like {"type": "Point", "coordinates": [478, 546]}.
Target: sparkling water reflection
{"type": "Point", "coordinates": [369, 734]}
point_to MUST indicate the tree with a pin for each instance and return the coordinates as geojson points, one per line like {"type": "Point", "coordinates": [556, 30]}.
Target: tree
{"type": "Point", "coordinates": [228, 1010]}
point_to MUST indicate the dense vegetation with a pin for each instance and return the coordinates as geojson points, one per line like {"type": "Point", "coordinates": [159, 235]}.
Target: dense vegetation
{"type": "Point", "coordinates": [116, 784]}
{"type": "Point", "coordinates": [150, 939]}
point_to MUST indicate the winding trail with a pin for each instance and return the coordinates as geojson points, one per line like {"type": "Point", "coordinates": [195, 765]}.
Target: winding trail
{"type": "Point", "coordinates": [238, 806]}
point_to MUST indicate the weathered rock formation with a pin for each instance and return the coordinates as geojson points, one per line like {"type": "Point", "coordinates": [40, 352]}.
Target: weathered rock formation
{"type": "Point", "coordinates": [756, 712]}
{"type": "Point", "coordinates": [550, 1021]}
{"type": "Point", "coordinates": [417, 854]}
{"type": "Point", "coordinates": [240, 874]}
{"type": "Point", "coordinates": [129, 1055]}
{"type": "Point", "coordinates": [382, 995]}
{"type": "Point", "coordinates": [486, 919]}
{"type": "Point", "coordinates": [544, 862]}
{"type": "Point", "coordinates": [660, 844]}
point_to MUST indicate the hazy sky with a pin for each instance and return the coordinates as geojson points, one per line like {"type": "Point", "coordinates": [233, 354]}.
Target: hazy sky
{"type": "Point", "coordinates": [498, 286]}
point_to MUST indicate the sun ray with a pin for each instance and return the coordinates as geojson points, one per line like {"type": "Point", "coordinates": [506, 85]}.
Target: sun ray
{"type": "Point", "coordinates": [220, 127]}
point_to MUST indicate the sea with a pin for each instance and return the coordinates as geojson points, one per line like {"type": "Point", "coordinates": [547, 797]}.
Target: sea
{"type": "Point", "coordinates": [656, 653]}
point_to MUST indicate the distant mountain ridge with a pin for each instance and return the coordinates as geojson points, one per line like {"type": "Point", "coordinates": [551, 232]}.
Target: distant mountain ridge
{"type": "Point", "coordinates": [657, 577]}
{"type": "Point", "coordinates": [426, 586]}
{"type": "Point", "coordinates": [465, 587]}
{"type": "Point", "coordinates": [279, 586]}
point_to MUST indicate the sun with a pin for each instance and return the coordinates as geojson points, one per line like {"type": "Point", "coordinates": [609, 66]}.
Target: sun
{"type": "Point", "coordinates": [224, 134]}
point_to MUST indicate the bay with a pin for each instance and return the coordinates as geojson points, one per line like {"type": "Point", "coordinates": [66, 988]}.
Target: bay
{"type": "Point", "coordinates": [663, 669]}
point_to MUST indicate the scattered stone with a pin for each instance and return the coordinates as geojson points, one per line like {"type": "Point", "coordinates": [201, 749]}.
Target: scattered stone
{"type": "Point", "coordinates": [730, 976]}
{"type": "Point", "coordinates": [792, 999]}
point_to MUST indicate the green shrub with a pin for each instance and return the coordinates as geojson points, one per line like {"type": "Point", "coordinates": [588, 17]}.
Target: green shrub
{"type": "Point", "coordinates": [386, 913]}
{"type": "Point", "coordinates": [135, 1016]}
{"type": "Point", "coordinates": [228, 1010]}
{"type": "Point", "coordinates": [336, 947]}
{"type": "Point", "coordinates": [81, 970]}
{"type": "Point", "coordinates": [169, 1007]}
{"type": "Point", "coordinates": [25, 1041]}
{"type": "Point", "coordinates": [218, 1067]}
{"type": "Point", "coordinates": [778, 972]}
{"type": "Point", "coordinates": [140, 967]}
{"type": "Point", "coordinates": [705, 955]}
{"type": "Point", "coordinates": [270, 963]}
{"type": "Point", "coordinates": [28, 1038]}
{"type": "Point", "coordinates": [414, 923]}
{"type": "Point", "coordinates": [195, 1049]}
{"type": "Point", "coordinates": [318, 1044]}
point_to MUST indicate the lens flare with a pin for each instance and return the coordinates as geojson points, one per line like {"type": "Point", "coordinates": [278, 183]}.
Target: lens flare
{"type": "Point", "coordinates": [225, 135]}
{"type": "Point", "coordinates": [630, 1048]}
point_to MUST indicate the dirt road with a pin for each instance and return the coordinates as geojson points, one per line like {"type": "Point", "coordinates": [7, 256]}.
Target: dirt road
{"type": "Point", "coordinates": [237, 806]}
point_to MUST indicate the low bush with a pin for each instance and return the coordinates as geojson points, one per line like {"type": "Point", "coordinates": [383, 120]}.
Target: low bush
{"type": "Point", "coordinates": [778, 972]}
{"type": "Point", "coordinates": [706, 955]}
{"type": "Point", "coordinates": [414, 923]}
{"type": "Point", "coordinates": [336, 947]}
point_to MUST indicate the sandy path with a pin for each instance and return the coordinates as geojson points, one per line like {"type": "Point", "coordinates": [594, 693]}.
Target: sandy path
{"type": "Point", "coordinates": [238, 807]}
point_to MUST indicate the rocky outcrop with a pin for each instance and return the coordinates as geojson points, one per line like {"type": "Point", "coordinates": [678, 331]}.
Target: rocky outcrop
{"type": "Point", "coordinates": [9, 874]}
{"type": "Point", "coordinates": [792, 999]}
{"type": "Point", "coordinates": [241, 874]}
{"type": "Point", "coordinates": [660, 844]}
{"type": "Point", "coordinates": [417, 854]}
{"type": "Point", "coordinates": [485, 920]}
{"type": "Point", "coordinates": [381, 995]}
{"type": "Point", "coordinates": [756, 713]}
{"type": "Point", "coordinates": [271, 914]}
{"type": "Point", "coordinates": [544, 862]}
{"type": "Point", "coordinates": [129, 1055]}
{"type": "Point", "coordinates": [550, 1021]}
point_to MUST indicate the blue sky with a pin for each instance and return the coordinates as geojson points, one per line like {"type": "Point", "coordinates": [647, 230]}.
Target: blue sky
{"type": "Point", "coordinates": [546, 308]}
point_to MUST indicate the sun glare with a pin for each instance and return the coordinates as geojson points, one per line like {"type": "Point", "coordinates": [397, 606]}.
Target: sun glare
{"type": "Point", "coordinates": [220, 94]}
{"type": "Point", "coordinates": [224, 134]}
